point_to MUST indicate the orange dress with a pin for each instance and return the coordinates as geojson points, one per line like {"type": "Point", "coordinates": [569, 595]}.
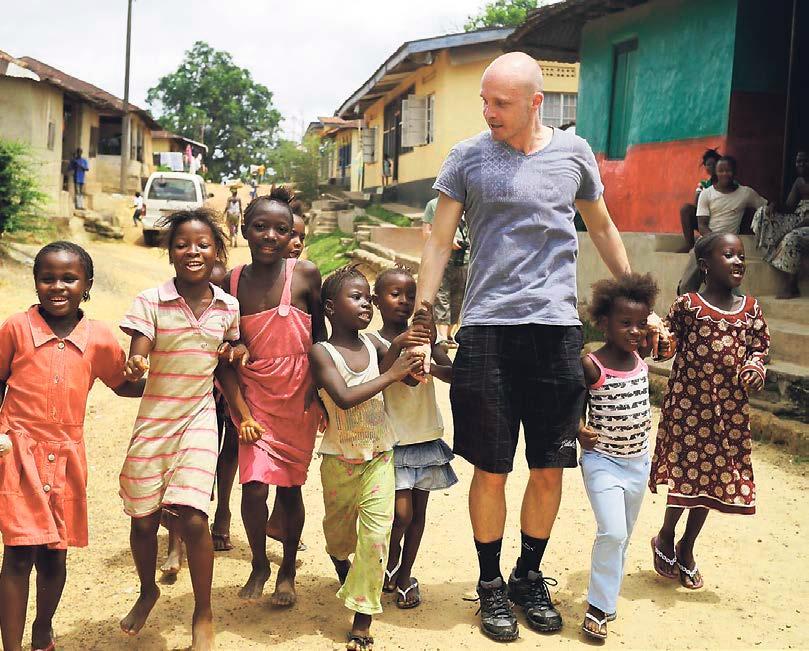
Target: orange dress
{"type": "Point", "coordinates": [43, 480]}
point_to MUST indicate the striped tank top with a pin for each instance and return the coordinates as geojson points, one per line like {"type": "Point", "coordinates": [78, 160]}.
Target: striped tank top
{"type": "Point", "coordinates": [618, 409]}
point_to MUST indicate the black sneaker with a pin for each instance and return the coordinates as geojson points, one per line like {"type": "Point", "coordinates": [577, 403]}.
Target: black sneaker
{"type": "Point", "coordinates": [532, 594]}
{"type": "Point", "coordinates": [497, 619]}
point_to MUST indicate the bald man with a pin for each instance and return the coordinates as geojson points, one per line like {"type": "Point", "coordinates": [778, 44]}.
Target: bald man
{"type": "Point", "coordinates": [519, 184]}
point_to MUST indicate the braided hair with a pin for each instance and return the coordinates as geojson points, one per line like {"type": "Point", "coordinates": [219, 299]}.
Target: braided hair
{"type": "Point", "coordinates": [396, 270]}
{"type": "Point", "coordinates": [280, 195]}
{"type": "Point", "coordinates": [335, 281]}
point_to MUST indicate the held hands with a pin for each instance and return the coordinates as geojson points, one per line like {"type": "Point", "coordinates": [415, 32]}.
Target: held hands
{"type": "Point", "coordinates": [659, 335]}
{"type": "Point", "coordinates": [587, 438]}
{"type": "Point", "coordinates": [233, 354]}
{"type": "Point", "coordinates": [250, 430]}
{"type": "Point", "coordinates": [423, 319]}
{"type": "Point", "coordinates": [136, 367]}
{"type": "Point", "coordinates": [413, 336]}
{"type": "Point", "coordinates": [752, 381]}
{"type": "Point", "coordinates": [410, 362]}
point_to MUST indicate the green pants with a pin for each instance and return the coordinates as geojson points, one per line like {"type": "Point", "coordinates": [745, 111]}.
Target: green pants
{"type": "Point", "coordinates": [359, 501]}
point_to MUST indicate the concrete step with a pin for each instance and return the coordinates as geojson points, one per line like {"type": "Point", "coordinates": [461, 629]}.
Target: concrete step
{"type": "Point", "coordinates": [377, 263]}
{"type": "Point", "coordinates": [378, 249]}
{"type": "Point", "coordinates": [795, 309]}
{"type": "Point", "coordinates": [363, 236]}
{"type": "Point", "coordinates": [789, 341]}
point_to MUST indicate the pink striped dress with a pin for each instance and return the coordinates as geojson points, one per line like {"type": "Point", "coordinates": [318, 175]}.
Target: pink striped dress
{"type": "Point", "coordinates": [174, 447]}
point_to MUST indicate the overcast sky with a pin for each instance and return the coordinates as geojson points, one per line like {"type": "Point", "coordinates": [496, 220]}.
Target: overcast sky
{"type": "Point", "coordinates": [311, 53]}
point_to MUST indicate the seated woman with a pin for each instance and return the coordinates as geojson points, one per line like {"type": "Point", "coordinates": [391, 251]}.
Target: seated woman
{"type": "Point", "coordinates": [720, 209]}
{"type": "Point", "coordinates": [688, 212]}
{"type": "Point", "coordinates": [783, 236]}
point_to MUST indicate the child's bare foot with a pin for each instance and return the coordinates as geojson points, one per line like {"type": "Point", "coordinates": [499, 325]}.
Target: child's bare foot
{"type": "Point", "coordinates": [202, 633]}
{"type": "Point", "coordinates": [174, 560]}
{"type": "Point", "coordinates": [342, 568]}
{"type": "Point", "coordinates": [254, 587]}
{"type": "Point", "coordinates": [135, 620]}
{"type": "Point", "coordinates": [284, 594]}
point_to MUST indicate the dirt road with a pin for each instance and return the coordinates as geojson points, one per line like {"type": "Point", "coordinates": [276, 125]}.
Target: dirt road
{"type": "Point", "coordinates": [755, 568]}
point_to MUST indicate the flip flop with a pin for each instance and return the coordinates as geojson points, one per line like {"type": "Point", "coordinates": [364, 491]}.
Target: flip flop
{"type": "Point", "coordinates": [671, 562]}
{"type": "Point", "coordinates": [389, 578]}
{"type": "Point", "coordinates": [360, 642]}
{"type": "Point", "coordinates": [691, 574]}
{"type": "Point", "coordinates": [224, 541]}
{"type": "Point", "coordinates": [601, 623]}
{"type": "Point", "coordinates": [401, 600]}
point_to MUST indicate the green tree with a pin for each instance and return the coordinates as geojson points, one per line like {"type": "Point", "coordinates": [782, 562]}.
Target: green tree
{"type": "Point", "coordinates": [21, 201]}
{"type": "Point", "coordinates": [502, 13]}
{"type": "Point", "coordinates": [299, 164]}
{"type": "Point", "coordinates": [210, 98]}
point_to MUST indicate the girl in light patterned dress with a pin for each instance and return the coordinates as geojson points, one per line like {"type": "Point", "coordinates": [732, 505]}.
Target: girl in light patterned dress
{"type": "Point", "coordinates": [357, 472]}
{"type": "Point", "coordinates": [181, 327]}
{"type": "Point", "coordinates": [702, 452]}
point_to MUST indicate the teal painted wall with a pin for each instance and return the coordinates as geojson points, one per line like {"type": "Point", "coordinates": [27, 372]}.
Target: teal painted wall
{"type": "Point", "coordinates": [685, 67]}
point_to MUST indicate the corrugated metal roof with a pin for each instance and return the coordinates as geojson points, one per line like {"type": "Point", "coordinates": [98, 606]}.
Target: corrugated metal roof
{"type": "Point", "coordinates": [554, 31]}
{"type": "Point", "coordinates": [411, 56]}
{"type": "Point", "coordinates": [168, 135]}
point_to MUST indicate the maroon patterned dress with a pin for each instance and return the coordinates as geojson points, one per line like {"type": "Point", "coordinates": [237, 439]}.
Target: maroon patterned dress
{"type": "Point", "coordinates": [702, 452]}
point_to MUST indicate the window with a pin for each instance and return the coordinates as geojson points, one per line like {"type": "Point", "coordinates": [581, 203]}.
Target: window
{"type": "Point", "coordinates": [51, 135]}
{"type": "Point", "coordinates": [369, 145]}
{"type": "Point", "coordinates": [93, 142]}
{"type": "Point", "coordinates": [558, 109]}
{"type": "Point", "coordinates": [430, 119]}
{"type": "Point", "coordinates": [109, 136]}
{"type": "Point", "coordinates": [172, 190]}
{"type": "Point", "coordinates": [623, 93]}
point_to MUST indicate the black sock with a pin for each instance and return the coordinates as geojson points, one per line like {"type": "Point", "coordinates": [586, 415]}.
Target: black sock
{"type": "Point", "coordinates": [489, 559]}
{"type": "Point", "coordinates": [531, 555]}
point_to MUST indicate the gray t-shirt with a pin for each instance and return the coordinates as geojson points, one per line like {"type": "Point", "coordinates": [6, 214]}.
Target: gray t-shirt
{"type": "Point", "coordinates": [519, 211]}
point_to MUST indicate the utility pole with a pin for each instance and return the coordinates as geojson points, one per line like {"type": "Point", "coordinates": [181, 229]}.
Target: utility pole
{"type": "Point", "coordinates": [125, 117]}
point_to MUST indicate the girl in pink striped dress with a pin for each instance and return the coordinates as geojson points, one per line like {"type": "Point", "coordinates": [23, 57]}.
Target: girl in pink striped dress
{"type": "Point", "coordinates": [170, 466]}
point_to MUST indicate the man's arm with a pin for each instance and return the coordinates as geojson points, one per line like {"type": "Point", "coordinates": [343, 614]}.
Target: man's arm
{"type": "Point", "coordinates": [438, 247]}
{"type": "Point", "coordinates": [604, 235]}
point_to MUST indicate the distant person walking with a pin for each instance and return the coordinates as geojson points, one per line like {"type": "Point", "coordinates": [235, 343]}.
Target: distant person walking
{"type": "Point", "coordinates": [233, 216]}
{"type": "Point", "coordinates": [519, 185]}
{"type": "Point", "coordinates": [137, 204]}
{"type": "Point", "coordinates": [79, 166]}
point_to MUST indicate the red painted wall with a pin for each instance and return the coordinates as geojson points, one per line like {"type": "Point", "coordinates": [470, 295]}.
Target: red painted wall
{"type": "Point", "coordinates": [645, 190]}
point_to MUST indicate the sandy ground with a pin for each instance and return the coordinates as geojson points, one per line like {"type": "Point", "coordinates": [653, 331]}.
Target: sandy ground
{"type": "Point", "coordinates": [755, 568]}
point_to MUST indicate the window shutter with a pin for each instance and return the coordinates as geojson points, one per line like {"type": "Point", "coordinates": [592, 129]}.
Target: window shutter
{"type": "Point", "coordinates": [369, 145]}
{"type": "Point", "coordinates": [414, 121]}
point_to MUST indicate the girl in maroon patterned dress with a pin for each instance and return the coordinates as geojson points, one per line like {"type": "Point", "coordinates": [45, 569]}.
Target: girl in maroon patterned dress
{"type": "Point", "coordinates": [702, 453]}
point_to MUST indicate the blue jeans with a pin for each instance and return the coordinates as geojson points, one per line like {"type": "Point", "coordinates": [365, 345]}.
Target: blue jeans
{"type": "Point", "coordinates": [615, 488]}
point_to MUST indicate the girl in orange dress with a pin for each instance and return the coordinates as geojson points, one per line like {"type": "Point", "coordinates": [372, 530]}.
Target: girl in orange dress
{"type": "Point", "coordinates": [50, 356]}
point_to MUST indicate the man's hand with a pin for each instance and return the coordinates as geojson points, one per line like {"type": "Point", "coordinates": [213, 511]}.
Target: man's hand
{"type": "Point", "coordinates": [752, 381]}
{"type": "Point", "coordinates": [587, 437]}
{"type": "Point", "coordinates": [233, 354]}
{"type": "Point", "coordinates": [424, 319]}
{"type": "Point", "coordinates": [657, 331]}
{"type": "Point", "coordinates": [136, 367]}
{"type": "Point", "coordinates": [250, 431]}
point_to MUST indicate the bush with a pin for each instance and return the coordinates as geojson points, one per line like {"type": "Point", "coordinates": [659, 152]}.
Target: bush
{"type": "Point", "coordinates": [21, 201]}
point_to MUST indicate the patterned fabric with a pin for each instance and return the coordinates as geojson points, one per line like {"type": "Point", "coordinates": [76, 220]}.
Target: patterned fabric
{"type": "Point", "coordinates": [174, 447]}
{"type": "Point", "coordinates": [276, 384]}
{"type": "Point", "coordinates": [780, 238]}
{"type": "Point", "coordinates": [43, 480]}
{"type": "Point", "coordinates": [702, 452]}
{"type": "Point", "coordinates": [358, 500]}
{"type": "Point", "coordinates": [618, 409]}
{"type": "Point", "coordinates": [364, 431]}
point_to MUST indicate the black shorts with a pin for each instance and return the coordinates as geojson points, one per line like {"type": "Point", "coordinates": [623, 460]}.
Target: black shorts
{"type": "Point", "coordinates": [507, 375]}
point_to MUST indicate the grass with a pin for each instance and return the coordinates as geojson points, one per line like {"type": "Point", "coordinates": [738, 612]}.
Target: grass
{"type": "Point", "coordinates": [327, 252]}
{"type": "Point", "coordinates": [388, 216]}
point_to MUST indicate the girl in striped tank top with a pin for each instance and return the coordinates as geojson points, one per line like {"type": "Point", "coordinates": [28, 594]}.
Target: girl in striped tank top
{"type": "Point", "coordinates": [615, 440]}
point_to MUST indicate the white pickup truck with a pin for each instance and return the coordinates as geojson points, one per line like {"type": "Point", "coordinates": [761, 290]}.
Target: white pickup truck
{"type": "Point", "coordinates": [167, 192]}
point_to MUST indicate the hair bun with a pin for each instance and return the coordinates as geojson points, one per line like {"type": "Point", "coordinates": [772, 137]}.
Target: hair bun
{"type": "Point", "coordinates": [282, 193]}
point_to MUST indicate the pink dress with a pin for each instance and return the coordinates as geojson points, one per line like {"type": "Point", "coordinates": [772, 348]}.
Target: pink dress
{"type": "Point", "coordinates": [277, 387]}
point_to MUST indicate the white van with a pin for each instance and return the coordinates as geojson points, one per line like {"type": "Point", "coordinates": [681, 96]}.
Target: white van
{"type": "Point", "coordinates": [167, 192]}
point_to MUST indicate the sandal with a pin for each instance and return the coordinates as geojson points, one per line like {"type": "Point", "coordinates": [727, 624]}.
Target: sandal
{"type": "Point", "coordinates": [601, 623]}
{"type": "Point", "coordinates": [693, 575]}
{"type": "Point", "coordinates": [388, 586]}
{"type": "Point", "coordinates": [221, 542]}
{"type": "Point", "coordinates": [671, 562]}
{"type": "Point", "coordinates": [401, 600]}
{"type": "Point", "coordinates": [359, 643]}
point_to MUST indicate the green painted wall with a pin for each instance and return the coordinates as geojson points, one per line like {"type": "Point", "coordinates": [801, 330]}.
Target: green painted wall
{"type": "Point", "coordinates": [685, 66]}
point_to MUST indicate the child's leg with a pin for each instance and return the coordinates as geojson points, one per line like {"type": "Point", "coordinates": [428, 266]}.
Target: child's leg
{"type": "Point", "coordinates": [402, 518]}
{"type": "Point", "coordinates": [18, 561]}
{"type": "Point", "coordinates": [412, 540]}
{"type": "Point", "coordinates": [340, 491]}
{"type": "Point", "coordinates": [254, 516]}
{"type": "Point", "coordinates": [291, 502]}
{"type": "Point", "coordinates": [634, 492]}
{"type": "Point", "coordinates": [685, 548]}
{"type": "Point", "coordinates": [174, 557]}
{"type": "Point", "coordinates": [51, 567]}
{"type": "Point", "coordinates": [193, 526]}
{"type": "Point", "coordinates": [277, 521]}
{"type": "Point", "coordinates": [226, 468]}
{"type": "Point", "coordinates": [665, 537]}
{"type": "Point", "coordinates": [362, 590]}
{"type": "Point", "coordinates": [143, 541]}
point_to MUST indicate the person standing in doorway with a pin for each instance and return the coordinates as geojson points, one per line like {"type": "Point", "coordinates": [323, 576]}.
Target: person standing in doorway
{"type": "Point", "coordinates": [519, 185]}
{"type": "Point", "coordinates": [387, 167]}
{"type": "Point", "coordinates": [453, 283]}
{"type": "Point", "coordinates": [79, 166]}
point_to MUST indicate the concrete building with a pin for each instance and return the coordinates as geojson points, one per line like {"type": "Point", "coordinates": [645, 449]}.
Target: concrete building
{"type": "Point", "coordinates": [166, 141]}
{"type": "Point", "coordinates": [424, 99]}
{"type": "Point", "coordinates": [55, 113]}
{"type": "Point", "coordinates": [662, 80]}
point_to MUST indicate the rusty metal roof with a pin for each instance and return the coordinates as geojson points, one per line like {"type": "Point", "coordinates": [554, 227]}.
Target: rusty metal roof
{"type": "Point", "coordinates": [554, 31]}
